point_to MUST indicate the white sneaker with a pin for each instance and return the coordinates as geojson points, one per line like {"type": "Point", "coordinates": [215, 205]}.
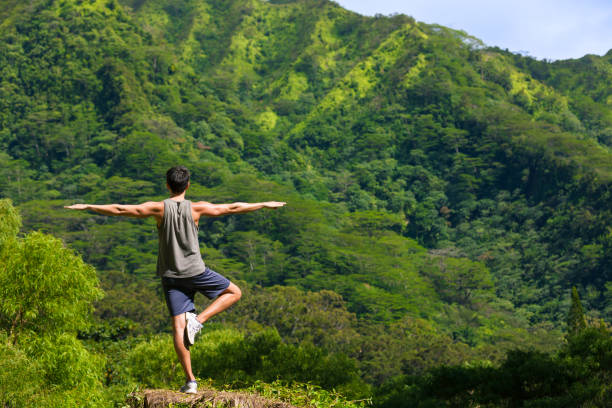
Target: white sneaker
{"type": "Point", "coordinates": [192, 327]}
{"type": "Point", "coordinates": [190, 387]}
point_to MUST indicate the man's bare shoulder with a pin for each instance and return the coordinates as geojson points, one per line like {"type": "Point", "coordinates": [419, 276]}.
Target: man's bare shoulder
{"type": "Point", "coordinates": [157, 204]}
{"type": "Point", "coordinates": [206, 208]}
{"type": "Point", "coordinates": [150, 208]}
{"type": "Point", "coordinates": [201, 205]}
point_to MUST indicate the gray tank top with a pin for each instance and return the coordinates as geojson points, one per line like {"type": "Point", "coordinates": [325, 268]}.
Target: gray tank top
{"type": "Point", "coordinates": [179, 250]}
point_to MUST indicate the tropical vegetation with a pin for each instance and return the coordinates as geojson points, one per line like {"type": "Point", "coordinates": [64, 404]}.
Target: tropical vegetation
{"type": "Point", "coordinates": [444, 199]}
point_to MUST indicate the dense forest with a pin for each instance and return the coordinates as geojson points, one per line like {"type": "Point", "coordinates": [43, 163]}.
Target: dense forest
{"type": "Point", "coordinates": [448, 234]}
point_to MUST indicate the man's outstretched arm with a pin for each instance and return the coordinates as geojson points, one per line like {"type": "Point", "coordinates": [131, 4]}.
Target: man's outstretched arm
{"type": "Point", "coordinates": [148, 209]}
{"type": "Point", "coordinates": [215, 210]}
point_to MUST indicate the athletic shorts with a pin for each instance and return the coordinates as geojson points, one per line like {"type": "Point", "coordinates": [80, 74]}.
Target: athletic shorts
{"type": "Point", "coordinates": [179, 292]}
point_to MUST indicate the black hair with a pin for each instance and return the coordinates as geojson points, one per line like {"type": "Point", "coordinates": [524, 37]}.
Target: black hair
{"type": "Point", "coordinates": [178, 179]}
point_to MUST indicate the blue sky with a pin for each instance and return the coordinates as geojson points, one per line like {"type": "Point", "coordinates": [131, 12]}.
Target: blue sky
{"type": "Point", "coordinates": [550, 29]}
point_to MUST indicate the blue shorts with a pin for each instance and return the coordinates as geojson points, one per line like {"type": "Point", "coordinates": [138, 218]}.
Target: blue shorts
{"type": "Point", "coordinates": [179, 292]}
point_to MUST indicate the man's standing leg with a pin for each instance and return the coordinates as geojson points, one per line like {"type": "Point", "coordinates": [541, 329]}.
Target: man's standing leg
{"type": "Point", "coordinates": [178, 330]}
{"type": "Point", "coordinates": [227, 298]}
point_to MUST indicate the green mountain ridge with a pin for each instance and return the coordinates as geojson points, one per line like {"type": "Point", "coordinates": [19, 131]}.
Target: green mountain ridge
{"type": "Point", "coordinates": [443, 196]}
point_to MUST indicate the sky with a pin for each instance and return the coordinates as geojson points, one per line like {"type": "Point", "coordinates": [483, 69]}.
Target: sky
{"type": "Point", "coordinates": [543, 29]}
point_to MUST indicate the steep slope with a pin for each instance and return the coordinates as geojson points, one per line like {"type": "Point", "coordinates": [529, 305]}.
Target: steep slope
{"type": "Point", "coordinates": [351, 112]}
{"type": "Point", "coordinates": [587, 83]}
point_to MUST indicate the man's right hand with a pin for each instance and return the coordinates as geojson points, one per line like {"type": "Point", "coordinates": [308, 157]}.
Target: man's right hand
{"type": "Point", "coordinates": [274, 204]}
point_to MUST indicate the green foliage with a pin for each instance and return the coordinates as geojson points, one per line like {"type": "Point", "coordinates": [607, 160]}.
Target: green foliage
{"type": "Point", "coordinates": [578, 375]}
{"type": "Point", "coordinates": [11, 222]}
{"type": "Point", "coordinates": [321, 317]}
{"type": "Point", "coordinates": [119, 316]}
{"type": "Point", "coordinates": [231, 357]}
{"type": "Point", "coordinates": [459, 280]}
{"type": "Point", "coordinates": [575, 318]}
{"type": "Point", "coordinates": [45, 287]}
{"type": "Point", "coordinates": [153, 363]}
{"type": "Point", "coordinates": [426, 157]}
{"type": "Point", "coordinates": [306, 395]}
{"type": "Point", "coordinates": [440, 193]}
{"type": "Point", "coordinates": [15, 365]}
{"type": "Point", "coordinates": [73, 373]}
{"type": "Point", "coordinates": [47, 297]}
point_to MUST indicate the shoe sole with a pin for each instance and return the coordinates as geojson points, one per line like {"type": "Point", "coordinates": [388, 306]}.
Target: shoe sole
{"type": "Point", "coordinates": [186, 339]}
{"type": "Point", "coordinates": [190, 340]}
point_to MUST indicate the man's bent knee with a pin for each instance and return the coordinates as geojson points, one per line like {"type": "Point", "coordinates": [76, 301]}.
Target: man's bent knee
{"type": "Point", "coordinates": [233, 290]}
{"type": "Point", "coordinates": [236, 291]}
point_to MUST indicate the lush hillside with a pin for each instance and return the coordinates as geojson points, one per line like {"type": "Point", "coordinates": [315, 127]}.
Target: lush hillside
{"type": "Point", "coordinates": [443, 196]}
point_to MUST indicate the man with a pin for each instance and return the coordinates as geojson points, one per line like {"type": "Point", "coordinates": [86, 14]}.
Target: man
{"type": "Point", "coordinates": [179, 263]}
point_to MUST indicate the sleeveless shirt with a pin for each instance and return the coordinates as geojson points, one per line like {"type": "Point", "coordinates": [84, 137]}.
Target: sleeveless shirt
{"type": "Point", "coordinates": [179, 249]}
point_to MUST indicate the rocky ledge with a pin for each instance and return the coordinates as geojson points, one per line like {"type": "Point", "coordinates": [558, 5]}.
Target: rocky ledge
{"type": "Point", "coordinates": [206, 398]}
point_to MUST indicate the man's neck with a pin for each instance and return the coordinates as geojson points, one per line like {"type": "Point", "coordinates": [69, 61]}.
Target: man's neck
{"type": "Point", "coordinates": [178, 197]}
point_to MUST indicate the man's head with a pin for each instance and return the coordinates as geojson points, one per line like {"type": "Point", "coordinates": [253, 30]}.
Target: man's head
{"type": "Point", "coordinates": [177, 179]}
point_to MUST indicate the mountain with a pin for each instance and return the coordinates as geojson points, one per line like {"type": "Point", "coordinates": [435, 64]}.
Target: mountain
{"type": "Point", "coordinates": [444, 197]}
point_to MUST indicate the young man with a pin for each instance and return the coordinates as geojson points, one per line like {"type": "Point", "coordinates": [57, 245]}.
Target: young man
{"type": "Point", "coordinates": [179, 263]}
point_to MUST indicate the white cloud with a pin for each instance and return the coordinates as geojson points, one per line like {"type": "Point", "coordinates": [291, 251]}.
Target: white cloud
{"type": "Point", "coordinates": [544, 28]}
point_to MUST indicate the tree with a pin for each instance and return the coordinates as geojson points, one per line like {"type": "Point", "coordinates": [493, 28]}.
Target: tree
{"type": "Point", "coordinates": [44, 287]}
{"type": "Point", "coordinates": [458, 280]}
{"type": "Point", "coordinates": [46, 294]}
{"type": "Point", "coordinates": [575, 318]}
{"type": "Point", "coordinates": [11, 222]}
